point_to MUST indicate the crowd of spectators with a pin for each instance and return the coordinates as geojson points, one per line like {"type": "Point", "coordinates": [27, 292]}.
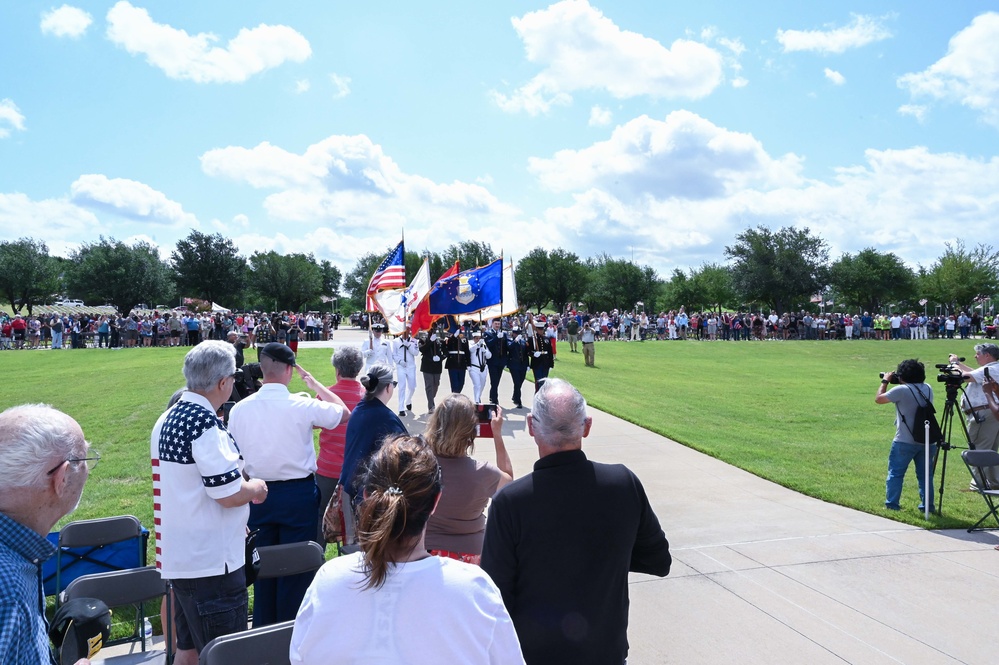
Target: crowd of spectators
{"type": "Point", "coordinates": [159, 329]}
{"type": "Point", "coordinates": [745, 326]}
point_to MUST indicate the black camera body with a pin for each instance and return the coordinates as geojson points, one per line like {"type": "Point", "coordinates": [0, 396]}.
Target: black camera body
{"type": "Point", "coordinates": [950, 375]}
{"type": "Point", "coordinates": [893, 379]}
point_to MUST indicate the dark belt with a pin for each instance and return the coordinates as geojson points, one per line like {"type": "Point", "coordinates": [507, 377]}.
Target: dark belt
{"type": "Point", "coordinates": [975, 408]}
{"type": "Point", "coordinates": [311, 478]}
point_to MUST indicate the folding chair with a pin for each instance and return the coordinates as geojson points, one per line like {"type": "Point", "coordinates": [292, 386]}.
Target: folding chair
{"type": "Point", "coordinates": [978, 461]}
{"type": "Point", "coordinates": [134, 587]}
{"type": "Point", "coordinates": [93, 536]}
{"type": "Point", "coordinates": [289, 559]}
{"type": "Point", "coordinates": [267, 645]}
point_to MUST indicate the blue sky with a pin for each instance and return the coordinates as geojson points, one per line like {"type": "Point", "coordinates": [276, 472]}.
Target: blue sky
{"type": "Point", "coordinates": [649, 130]}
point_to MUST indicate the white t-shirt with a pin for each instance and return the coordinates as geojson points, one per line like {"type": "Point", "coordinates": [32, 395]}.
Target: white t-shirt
{"type": "Point", "coordinates": [273, 430]}
{"type": "Point", "coordinates": [195, 462]}
{"type": "Point", "coordinates": [429, 612]}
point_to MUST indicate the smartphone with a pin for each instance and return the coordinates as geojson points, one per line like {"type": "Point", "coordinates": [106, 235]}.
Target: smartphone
{"type": "Point", "coordinates": [485, 412]}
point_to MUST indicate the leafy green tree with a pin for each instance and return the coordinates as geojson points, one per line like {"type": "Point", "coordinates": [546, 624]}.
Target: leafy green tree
{"type": "Point", "coordinates": [331, 278]}
{"type": "Point", "coordinates": [288, 283]}
{"type": "Point", "coordinates": [567, 278]}
{"type": "Point", "coordinates": [28, 275]}
{"type": "Point", "coordinates": [870, 279]}
{"type": "Point", "coordinates": [681, 291]}
{"type": "Point", "coordinates": [109, 271]}
{"type": "Point", "coordinates": [620, 284]}
{"type": "Point", "coordinates": [713, 284]}
{"type": "Point", "coordinates": [355, 283]}
{"type": "Point", "coordinates": [208, 267]}
{"type": "Point", "coordinates": [531, 275]}
{"type": "Point", "coordinates": [961, 276]}
{"type": "Point", "coordinates": [470, 253]}
{"type": "Point", "coordinates": [782, 269]}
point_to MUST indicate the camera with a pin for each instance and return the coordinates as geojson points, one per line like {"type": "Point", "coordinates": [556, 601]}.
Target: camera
{"type": "Point", "coordinates": [949, 374]}
{"type": "Point", "coordinates": [893, 379]}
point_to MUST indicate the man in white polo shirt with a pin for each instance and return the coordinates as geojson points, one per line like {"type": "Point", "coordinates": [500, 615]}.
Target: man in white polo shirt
{"type": "Point", "coordinates": [273, 429]}
{"type": "Point", "coordinates": [200, 504]}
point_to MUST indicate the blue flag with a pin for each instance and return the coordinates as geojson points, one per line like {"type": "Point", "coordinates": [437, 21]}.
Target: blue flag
{"type": "Point", "coordinates": [469, 291]}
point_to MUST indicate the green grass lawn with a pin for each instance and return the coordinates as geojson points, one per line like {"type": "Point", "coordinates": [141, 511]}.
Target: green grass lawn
{"type": "Point", "coordinates": [799, 413]}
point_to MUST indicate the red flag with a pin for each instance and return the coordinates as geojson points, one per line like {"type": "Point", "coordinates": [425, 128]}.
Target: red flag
{"type": "Point", "coordinates": [421, 319]}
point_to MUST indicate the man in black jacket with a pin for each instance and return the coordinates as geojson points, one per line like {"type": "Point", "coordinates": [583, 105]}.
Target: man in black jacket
{"type": "Point", "coordinates": [561, 541]}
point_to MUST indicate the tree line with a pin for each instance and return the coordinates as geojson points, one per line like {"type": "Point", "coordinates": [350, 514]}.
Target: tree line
{"type": "Point", "coordinates": [782, 270]}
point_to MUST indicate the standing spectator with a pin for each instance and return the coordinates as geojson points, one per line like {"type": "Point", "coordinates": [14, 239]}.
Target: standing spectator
{"type": "Point", "coordinates": [201, 509]}
{"type": "Point", "coordinates": [392, 602]}
{"type": "Point", "coordinates": [459, 522]}
{"type": "Point", "coordinates": [193, 329]}
{"type": "Point", "coordinates": [911, 393]}
{"type": "Point", "coordinates": [57, 327]}
{"type": "Point", "coordinates": [568, 599]}
{"type": "Point", "coordinates": [273, 429]}
{"type": "Point", "coordinates": [44, 464]}
{"type": "Point", "coordinates": [347, 363]}
{"type": "Point", "coordinates": [103, 332]}
{"type": "Point", "coordinates": [588, 339]}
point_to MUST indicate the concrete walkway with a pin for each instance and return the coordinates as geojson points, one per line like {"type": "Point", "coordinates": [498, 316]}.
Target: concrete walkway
{"type": "Point", "coordinates": [764, 575]}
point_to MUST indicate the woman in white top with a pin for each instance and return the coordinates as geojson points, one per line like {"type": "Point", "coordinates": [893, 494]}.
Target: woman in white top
{"type": "Point", "coordinates": [393, 602]}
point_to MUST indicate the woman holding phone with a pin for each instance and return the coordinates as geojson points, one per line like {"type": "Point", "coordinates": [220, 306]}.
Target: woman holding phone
{"type": "Point", "coordinates": [457, 527]}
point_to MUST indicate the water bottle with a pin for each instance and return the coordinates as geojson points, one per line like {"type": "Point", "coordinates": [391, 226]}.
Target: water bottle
{"type": "Point", "coordinates": [147, 629]}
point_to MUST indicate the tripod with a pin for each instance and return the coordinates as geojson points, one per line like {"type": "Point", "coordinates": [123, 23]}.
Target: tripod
{"type": "Point", "coordinates": [946, 425]}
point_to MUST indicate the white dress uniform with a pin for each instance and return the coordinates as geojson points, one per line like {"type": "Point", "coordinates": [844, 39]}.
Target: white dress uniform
{"type": "Point", "coordinates": [478, 355]}
{"type": "Point", "coordinates": [377, 350]}
{"type": "Point", "coordinates": [406, 355]}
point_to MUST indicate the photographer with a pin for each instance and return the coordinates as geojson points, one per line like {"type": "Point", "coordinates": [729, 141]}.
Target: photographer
{"type": "Point", "coordinates": [911, 393]}
{"type": "Point", "coordinates": [983, 427]}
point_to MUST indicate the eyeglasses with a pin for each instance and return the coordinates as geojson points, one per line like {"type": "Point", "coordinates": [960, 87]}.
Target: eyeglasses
{"type": "Point", "coordinates": [91, 461]}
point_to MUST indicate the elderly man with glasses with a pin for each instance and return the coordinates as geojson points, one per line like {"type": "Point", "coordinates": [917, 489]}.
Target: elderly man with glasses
{"type": "Point", "coordinates": [200, 504]}
{"type": "Point", "coordinates": [983, 428]}
{"type": "Point", "coordinates": [44, 463]}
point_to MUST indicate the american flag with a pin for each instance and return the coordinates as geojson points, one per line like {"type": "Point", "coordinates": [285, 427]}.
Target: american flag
{"type": "Point", "coordinates": [391, 274]}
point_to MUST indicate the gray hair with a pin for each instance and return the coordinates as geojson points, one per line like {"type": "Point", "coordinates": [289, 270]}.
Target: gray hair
{"type": "Point", "coordinates": [377, 380]}
{"type": "Point", "coordinates": [208, 363]}
{"type": "Point", "coordinates": [989, 349]}
{"type": "Point", "coordinates": [33, 438]}
{"type": "Point", "coordinates": [347, 361]}
{"type": "Point", "coordinates": [559, 414]}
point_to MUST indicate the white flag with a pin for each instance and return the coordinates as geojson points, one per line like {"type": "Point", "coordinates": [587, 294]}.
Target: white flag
{"type": "Point", "coordinates": [398, 304]}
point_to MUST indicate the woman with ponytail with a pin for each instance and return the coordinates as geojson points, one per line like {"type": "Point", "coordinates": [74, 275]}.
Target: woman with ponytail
{"type": "Point", "coordinates": [393, 602]}
{"type": "Point", "coordinates": [374, 422]}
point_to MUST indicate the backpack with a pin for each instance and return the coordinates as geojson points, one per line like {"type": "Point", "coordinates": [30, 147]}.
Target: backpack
{"type": "Point", "coordinates": [924, 412]}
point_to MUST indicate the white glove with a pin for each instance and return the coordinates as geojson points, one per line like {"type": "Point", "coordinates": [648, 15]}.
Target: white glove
{"type": "Point", "coordinates": [433, 338]}
{"type": "Point", "coordinates": [437, 359]}
{"type": "Point", "coordinates": [537, 354]}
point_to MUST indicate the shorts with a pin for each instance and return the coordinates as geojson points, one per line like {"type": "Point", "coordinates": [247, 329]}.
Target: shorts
{"type": "Point", "coordinates": [207, 607]}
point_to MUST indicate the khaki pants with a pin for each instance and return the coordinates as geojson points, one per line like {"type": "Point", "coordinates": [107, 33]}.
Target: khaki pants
{"type": "Point", "coordinates": [588, 353]}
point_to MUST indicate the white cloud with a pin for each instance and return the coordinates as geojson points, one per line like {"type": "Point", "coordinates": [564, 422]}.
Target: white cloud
{"type": "Point", "coordinates": [739, 82]}
{"type": "Point", "coordinates": [341, 85]}
{"type": "Point", "coordinates": [683, 156]}
{"type": "Point", "coordinates": [834, 76]}
{"type": "Point", "coordinates": [968, 74]}
{"type": "Point", "coordinates": [579, 48]}
{"type": "Point", "coordinates": [302, 85]}
{"type": "Point", "coordinates": [599, 116]}
{"type": "Point", "coordinates": [192, 57]}
{"type": "Point", "coordinates": [10, 118]}
{"type": "Point", "coordinates": [57, 222]}
{"type": "Point", "coordinates": [349, 184]}
{"type": "Point", "coordinates": [627, 197]}
{"type": "Point", "coordinates": [734, 45]}
{"type": "Point", "coordinates": [863, 30]}
{"type": "Point", "coordinates": [917, 111]}
{"type": "Point", "coordinates": [66, 21]}
{"type": "Point", "coordinates": [128, 198]}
